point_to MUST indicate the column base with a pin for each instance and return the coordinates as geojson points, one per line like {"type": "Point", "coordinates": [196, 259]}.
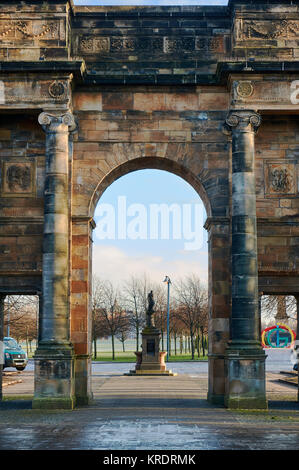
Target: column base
{"type": "Point", "coordinates": [245, 378]}
{"type": "Point", "coordinates": [83, 391]}
{"type": "Point", "coordinates": [215, 399]}
{"type": "Point", "coordinates": [48, 403]}
{"type": "Point", "coordinates": [217, 379]}
{"type": "Point", "coordinates": [54, 377]}
{"type": "Point", "coordinates": [253, 403]}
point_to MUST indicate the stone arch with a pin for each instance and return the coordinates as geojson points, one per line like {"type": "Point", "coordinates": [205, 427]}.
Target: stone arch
{"type": "Point", "coordinates": [189, 163]}
{"type": "Point", "coordinates": [155, 163]}
{"type": "Point", "coordinates": [98, 164]}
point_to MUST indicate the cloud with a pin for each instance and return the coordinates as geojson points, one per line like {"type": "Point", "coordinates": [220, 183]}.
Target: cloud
{"type": "Point", "coordinates": [110, 262]}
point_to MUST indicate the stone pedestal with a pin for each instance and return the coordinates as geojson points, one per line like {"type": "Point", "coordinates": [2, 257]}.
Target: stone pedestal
{"type": "Point", "coordinates": [54, 377]}
{"type": "Point", "coordinates": [151, 360]}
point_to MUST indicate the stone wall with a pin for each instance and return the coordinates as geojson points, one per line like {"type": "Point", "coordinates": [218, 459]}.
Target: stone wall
{"type": "Point", "coordinates": [149, 87]}
{"type": "Point", "coordinates": [22, 160]}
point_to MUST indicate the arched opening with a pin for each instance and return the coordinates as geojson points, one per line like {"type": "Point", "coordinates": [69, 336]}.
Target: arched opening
{"type": "Point", "coordinates": [211, 193]}
{"type": "Point", "coordinates": [20, 326]}
{"type": "Point", "coordinates": [279, 329]}
{"type": "Point", "coordinates": [131, 259]}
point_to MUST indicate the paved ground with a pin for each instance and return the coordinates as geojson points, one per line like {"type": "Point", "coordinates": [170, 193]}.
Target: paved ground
{"type": "Point", "coordinates": [150, 413]}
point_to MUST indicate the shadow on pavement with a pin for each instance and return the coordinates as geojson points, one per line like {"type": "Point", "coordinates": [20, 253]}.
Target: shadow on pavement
{"type": "Point", "coordinates": [151, 402]}
{"type": "Point", "coordinates": [283, 405]}
{"type": "Point", "coordinates": [16, 405]}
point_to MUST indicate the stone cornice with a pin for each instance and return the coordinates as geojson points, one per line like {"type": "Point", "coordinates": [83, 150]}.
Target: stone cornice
{"type": "Point", "coordinates": [86, 219]}
{"type": "Point", "coordinates": [294, 221]}
{"type": "Point", "coordinates": [216, 221]}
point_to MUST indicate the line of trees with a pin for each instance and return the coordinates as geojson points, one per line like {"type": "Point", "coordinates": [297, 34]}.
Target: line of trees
{"type": "Point", "coordinates": [21, 315]}
{"type": "Point", "coordinates": [120, 312]}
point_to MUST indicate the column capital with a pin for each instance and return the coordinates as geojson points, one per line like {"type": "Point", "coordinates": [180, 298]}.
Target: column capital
{"type": "Point", "coordinates": [52, 122]}
{"type": "Point", "coordinates": [243, 119]}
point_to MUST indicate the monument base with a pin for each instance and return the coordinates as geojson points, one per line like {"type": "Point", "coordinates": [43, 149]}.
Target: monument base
{"type": "Point", "coordinates": [151, 361]}
{"type": "Point", "coordinates": [166, 373]}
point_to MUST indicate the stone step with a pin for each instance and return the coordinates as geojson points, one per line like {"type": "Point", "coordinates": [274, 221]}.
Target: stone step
{"type": "Point", "coordinates": [290, 381]}
{"type": "Point", "coordinates": [289, 372]}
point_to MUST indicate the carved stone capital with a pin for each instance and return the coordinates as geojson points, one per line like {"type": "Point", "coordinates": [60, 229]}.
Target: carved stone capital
{"type": "Point", "coordinates": [243, 120]}
{"type": "Point", "coordinates": [53, 122]}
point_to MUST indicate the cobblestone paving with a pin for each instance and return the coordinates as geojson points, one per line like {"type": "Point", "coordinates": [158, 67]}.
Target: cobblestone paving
{"type": "Point", "coordinates": [150, 413]}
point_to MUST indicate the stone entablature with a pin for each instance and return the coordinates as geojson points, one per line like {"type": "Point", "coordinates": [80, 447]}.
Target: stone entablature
{"type": "Point", "coordinates": [157, 45]}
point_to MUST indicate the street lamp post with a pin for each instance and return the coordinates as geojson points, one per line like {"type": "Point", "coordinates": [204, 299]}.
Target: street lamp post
{"type": "Point", "coordinates": [8, 317]}
{"type": "Point", "coordinates": [168, 281]}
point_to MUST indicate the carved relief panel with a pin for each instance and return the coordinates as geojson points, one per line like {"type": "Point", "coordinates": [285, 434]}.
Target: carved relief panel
{"type": "Point", "coordinates": [18, 178]}
{"type": "Point", "coordinates": [280, 179]}
{"type": "Point", "coordinates": [246, 29]}
{"type": "Point", "coordinates": [20, 30]}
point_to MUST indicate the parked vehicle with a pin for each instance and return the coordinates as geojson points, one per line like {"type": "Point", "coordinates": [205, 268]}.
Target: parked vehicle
{"type": "Point", "coordinates": [14, 356]}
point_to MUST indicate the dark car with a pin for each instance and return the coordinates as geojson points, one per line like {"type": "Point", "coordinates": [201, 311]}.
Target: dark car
{"type": "Point", "coordinates": [295, 366]}
{"type": "Point", "coordinates": [14, 356]}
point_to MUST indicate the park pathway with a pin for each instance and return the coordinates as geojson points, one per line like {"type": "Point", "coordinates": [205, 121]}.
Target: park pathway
{"type": "Point", "coordinates": [149, 413]}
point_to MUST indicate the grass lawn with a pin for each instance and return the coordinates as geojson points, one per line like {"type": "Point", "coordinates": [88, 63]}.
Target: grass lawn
{"type": "Point", "coordinates": [130, 357]}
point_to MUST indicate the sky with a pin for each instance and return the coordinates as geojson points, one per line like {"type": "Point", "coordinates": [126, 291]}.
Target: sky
{"type": "Point", "coordinates": [150, 2]}
{"type": "Point", "coordinates": [117, 259]}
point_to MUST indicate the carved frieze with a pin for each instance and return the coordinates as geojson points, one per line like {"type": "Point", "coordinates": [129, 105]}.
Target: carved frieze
{"type": "Point", "coordinates": [266, 30]}
{"type": "Point", "coordinates": [177, 44]}
{"type": "Point", "coordinates": [211, 44]}
{"type": "Point", "coordinates": [123, 44]}
{"type": "Point", "coordinates": [280, 179]}
{"type": "Point", "coordinates": [166, 45]}
{"type": "Point", "coordinates": [29, 29]}
{"type": "Point", "coordinates": [18, 178]}
{"type": "Point", "coordinates": [94, 44]}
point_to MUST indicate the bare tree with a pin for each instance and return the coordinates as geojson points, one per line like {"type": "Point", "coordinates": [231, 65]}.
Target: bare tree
{"type": "Point", "coordinates": [16, 311]}
{"type": "Point", "coordinates": [124, 333]}
{"type": "Point", "coordinates": [134, 294]}
{"type": "Point", "coordinates": [192, 307]}
{"type": "Point", "coordinates": [21, 314]}
{"type": "Point", "coordinates": [99, 327]}
{"type": "Point", "coordinates": [279, 308]}
{"type": "Point", "coordinates": [110, 310]}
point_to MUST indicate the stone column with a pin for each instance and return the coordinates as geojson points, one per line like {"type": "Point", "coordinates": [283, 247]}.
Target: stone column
{"type": "Point", "coordinates": [297, 339]}
{"type": "Point", "coordinates": [81, 293]}
{"type": "Point", "coordinates": [2, 298]}
{"type": "Point", "coordinates": [260, 310]}
{"type": "Point", "coordinates": [40, 316]}
{"type": "Point", "coordinates": [245, 357]}
{"type": "Point", "coordinates": [219, 303]}
{"type": "Point", "coordinates": [54, 375]}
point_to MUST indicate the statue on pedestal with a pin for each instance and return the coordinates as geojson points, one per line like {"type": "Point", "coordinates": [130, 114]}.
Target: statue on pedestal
{"type": "Point", "coordinates": [151, 361]}
{"type": "Point", "coordinates": [150, 309]}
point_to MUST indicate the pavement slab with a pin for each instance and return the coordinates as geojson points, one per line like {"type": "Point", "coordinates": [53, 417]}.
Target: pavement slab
{"type": "Point", "coordinates": [149, 413]}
